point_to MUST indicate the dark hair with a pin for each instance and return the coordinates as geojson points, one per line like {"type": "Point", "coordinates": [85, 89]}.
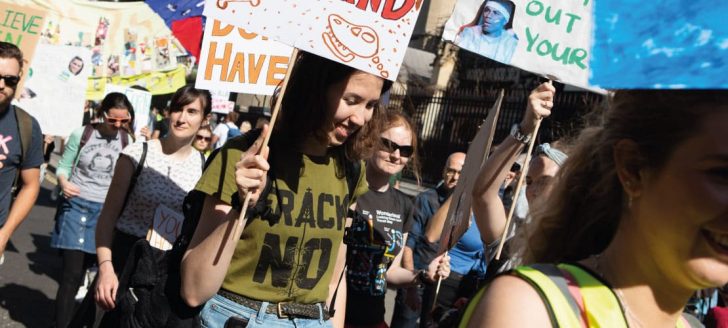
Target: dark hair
{"type": "Point", "coordinates": [476, 21]}
{"type": "Point", "coordinates": [9, 50]}
{"type": "Point", "coordinates": [584, 210]}
{"type": "Point", "coordinates": [305, 113]}
{"type": "Point", "coordinates": [119, 101]}
{"type": "Point", "coordinates": [187, 95]}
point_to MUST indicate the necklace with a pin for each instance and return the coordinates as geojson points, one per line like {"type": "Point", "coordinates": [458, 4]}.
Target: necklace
{"type": "Point", "coordinates": [628, 314]}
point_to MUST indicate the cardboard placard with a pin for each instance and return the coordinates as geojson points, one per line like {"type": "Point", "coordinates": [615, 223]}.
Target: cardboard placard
{"type": "Point", "coordinates": [238, 61]}
{"type": "Point", "coordinates": [55, 92]}
{"type": "Point", "coordinates": [369, 35]}
{"type": "Point", "coordinates": [546, 37]}
{"type": "Point", "coordinates": [21, 26]}
{"type": "Point", "coordinates": [165, 229]}
{"type": "Point", "coordinates": [667, 44]}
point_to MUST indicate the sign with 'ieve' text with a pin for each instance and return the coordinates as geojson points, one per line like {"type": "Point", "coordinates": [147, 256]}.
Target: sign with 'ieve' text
{"type": "Point", "coordinates": [546, 37]}
{"type": "Point", "coordinates": [370, 35]}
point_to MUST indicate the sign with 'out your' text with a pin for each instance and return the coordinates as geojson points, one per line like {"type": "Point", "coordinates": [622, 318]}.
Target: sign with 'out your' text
{"type": "Point", "coordinates": [546, 37]}
{"type": "Point", "coordinates": [235, 60]}
{"type": "Point", "coordinates": [370, 35]}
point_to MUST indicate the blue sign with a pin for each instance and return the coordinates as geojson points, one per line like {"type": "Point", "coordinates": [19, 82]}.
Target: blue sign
{"type": "Point", "coordinates": [667, 44]}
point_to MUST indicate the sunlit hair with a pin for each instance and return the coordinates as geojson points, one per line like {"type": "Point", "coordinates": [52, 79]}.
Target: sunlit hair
{"type": "Point", "coordinates": [582, 214]}
{"type": "Point", "coordinates": [305, 112]}
{"type": "Point", "coordinates": [187, 95]}
{"type": "Point", "coordinates": [393, 119]}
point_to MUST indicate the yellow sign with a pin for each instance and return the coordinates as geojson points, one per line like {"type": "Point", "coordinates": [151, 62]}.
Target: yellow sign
{"type": "Point", "coordinates": [158, 83]}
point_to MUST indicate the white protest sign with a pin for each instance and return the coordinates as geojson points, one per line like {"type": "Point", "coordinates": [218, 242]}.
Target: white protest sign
{"type": "Point", "coordinates": [167, 225]}
{"type": "Point", "coordinates": [55, 90]}
{"type": "Point", "coordinates": [237, 61]}
{"type": "Point", "coordinates": [141, 101]}
{"type": "Point", "coordinates": [370, 35]}
{"type": "Point", "coordinates": [222, 106]}
{"type": "Point", "coordinates": [546, 37]}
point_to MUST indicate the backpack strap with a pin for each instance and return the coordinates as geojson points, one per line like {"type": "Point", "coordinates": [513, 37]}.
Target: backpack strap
{"type": "Point", "coordinates": [137, 172]}
{"type": "Point", "coordinates": [25, 129]}
{"type": "Point", "coordinates": [88, 131]}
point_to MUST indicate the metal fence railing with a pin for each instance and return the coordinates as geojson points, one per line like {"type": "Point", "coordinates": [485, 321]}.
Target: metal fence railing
{"type": "Point", "coordinates": [448, 120]}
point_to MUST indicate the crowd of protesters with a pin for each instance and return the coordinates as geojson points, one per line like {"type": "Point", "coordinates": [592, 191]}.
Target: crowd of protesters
{"type": "Point", "coordinates": [622, 226]}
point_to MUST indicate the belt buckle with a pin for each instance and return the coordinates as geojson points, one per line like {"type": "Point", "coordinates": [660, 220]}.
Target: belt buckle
{"type": "Point", "coordinates": [280, 310]}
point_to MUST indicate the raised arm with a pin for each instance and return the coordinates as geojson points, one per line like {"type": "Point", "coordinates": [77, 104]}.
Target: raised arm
{"type": "Point", "coordinates": [437, 222]}
{"type": "Point", "coordinates": [488, 208]}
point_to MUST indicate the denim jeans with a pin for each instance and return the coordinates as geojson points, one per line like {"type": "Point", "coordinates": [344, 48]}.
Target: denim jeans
{"type": "Point", "coordinates": [219, 309]}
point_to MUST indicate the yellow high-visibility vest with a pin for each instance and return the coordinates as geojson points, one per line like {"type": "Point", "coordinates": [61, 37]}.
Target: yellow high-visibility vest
{"type": "Point", "coordinates": [598, 307]}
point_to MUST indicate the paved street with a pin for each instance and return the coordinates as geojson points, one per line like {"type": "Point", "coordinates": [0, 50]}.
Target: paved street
{"type": "Point", "coordinates": [29, 277]}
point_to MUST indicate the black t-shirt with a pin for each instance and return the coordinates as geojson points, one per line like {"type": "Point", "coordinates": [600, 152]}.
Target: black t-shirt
{"type": "Point", "coordinates": [373, 251]}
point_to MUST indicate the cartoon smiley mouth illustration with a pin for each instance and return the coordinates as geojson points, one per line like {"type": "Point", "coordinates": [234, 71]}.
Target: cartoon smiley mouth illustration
{"type": "Point", "coordinates": [222, 4]}
{"type": "Point", "coordinates": [347, 40]}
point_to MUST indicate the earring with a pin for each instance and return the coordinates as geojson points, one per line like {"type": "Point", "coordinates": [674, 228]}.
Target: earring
{"type": "Point", "coordinates": [628, 186]}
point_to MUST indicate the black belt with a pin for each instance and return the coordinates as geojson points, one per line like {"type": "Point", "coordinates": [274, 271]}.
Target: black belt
{"type": "Point", "coordinates": [282, 309]}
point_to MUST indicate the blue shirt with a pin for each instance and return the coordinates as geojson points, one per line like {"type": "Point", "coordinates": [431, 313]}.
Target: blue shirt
{"type": "Point", "coordinates": [468, 254]}
{"type": "Point", "coordinates": [10, 147]}
{"type": "Point", "coordinates": [426, 204]}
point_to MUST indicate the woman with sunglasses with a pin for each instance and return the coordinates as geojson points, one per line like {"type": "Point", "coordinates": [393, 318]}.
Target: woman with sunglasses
{"type": "Point", "coordinates": [202, 140]}
{"type": "Point", "coordinates": [377, 237]}
{"type": "Point", "coordinates": [170, 170]}
{"type": "Point", "coordinates": [84, 175]}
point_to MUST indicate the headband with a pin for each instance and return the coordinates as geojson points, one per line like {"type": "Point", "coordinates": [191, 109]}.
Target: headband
{"type": "Point", "coordinates": [499, 7]}
{"type": "Point", "coordinates": [552, 153]}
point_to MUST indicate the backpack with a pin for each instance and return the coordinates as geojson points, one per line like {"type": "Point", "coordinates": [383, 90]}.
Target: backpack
{"type": "Point", "coordinates": [25, 130]}
{"type": "Point", "coordinates": [149, 287]}
{"type": "Point", "coordinates": [233, 131]}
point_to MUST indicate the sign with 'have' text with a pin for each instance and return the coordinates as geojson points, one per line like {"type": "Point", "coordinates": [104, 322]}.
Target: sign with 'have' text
{"type": "Point", "coordinates": [235, 60]}
{"type": "Point", "coordinates": [370, 35]}
{"type": "Point", "coordinates": [546, 37]}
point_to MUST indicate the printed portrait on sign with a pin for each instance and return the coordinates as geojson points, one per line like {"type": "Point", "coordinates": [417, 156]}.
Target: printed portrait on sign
{"type": "Point", "coordinates": [490, 33]}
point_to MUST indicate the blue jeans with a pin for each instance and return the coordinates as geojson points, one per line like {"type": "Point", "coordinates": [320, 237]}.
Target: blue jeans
{"type": "Point", "coordinates": [219, 309]}
{"type": "Point", "coordinates": [403, 316]}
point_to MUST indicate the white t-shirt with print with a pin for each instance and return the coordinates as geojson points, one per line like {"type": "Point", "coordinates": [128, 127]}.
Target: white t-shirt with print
{"type": "Point", "coordinates": [162, 181]}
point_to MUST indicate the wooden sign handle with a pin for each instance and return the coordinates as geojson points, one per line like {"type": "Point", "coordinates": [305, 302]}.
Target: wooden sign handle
{"type": "Point", "coordinates": [240, 223]}
{"type": "Point", "coordinates": [517, 192]}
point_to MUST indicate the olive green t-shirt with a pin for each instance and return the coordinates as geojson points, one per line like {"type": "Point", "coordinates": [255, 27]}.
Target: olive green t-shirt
{"type": "Point", "coordinates": [289, 257]}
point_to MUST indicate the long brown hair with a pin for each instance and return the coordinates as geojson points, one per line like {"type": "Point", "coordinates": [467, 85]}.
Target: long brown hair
{"type": "Point", "coordinates": [587, 203]}
{"type": "Point", "coordinates": [305, 113]}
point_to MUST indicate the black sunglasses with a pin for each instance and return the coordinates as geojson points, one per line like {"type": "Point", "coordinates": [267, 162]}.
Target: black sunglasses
{"type": "Point", "coordinates": [10, 80]}
{"type": "Point", "coordinates": [199, 137]}
{"type": "Point", "coordinates": [391, 146]}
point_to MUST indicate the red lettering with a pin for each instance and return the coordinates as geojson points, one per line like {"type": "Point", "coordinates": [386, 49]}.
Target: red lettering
{"type": "Point", "coordinates": [395, 14]}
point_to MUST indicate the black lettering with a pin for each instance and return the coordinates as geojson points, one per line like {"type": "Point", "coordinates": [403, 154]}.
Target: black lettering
{"type": "Point", "coordinates": [329, 222]}
{"type": "Point", "coordinates": [311, 246]}
{"type": "Point", "coordinates": [270, 257]}
{"type": "Point", "coordinates": [306, 214]}
{"type": "Point", "coordinates": [287, 206]}
{"type": "Point", "coordinates": [341, 209]}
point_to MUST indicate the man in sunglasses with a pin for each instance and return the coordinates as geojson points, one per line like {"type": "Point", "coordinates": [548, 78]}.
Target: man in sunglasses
{"type": "Point", "coordinates": [20, 148]}
{"type": "Point", "coordinates": [418, 252]}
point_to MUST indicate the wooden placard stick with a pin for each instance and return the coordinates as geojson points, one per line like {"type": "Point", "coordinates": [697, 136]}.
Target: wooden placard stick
{"type": "Point", "coordinates": [517, 192]}
{"type": "Point", "coordinates": [519, 185]}
{"type": "Point", "coordinates": [240, 223]}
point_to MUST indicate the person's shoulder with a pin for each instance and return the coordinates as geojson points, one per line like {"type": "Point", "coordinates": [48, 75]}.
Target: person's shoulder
{"type": "Point", "coordinates": [504, 302]}
{"type": "Point", "coordinates": [401, 196]}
